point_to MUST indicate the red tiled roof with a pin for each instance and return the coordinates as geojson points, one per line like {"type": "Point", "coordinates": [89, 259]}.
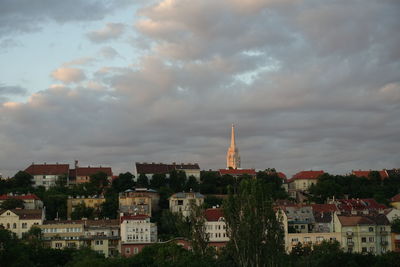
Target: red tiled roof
{"type": "Point", "coordinates": [26, 214]}
{"type": "Point", "coordinates": [31, 196]}
{"type": "Point", "coordinates": [359, 204]}
{"type": "Point", "coordinates": [48, 169]}
{"type": "Point", "coordinates": [396, 198]}
{"type": "Point", "coordinates": [237, 171]}
{"type": "Point", "coordinates": [307, 175]}
{"type": "Point", "coordinates": [379, 219]}
{"type": "Point", "coordinates": [87, 171]}
{"type": "Point", "coordinates": [134, 217]}
{"type": "Point", "coordinates": [213, 215]}
{"type": "Point", "coordinates": [324, 207]}
{"type": "Point", "coordinates": [365, 174]}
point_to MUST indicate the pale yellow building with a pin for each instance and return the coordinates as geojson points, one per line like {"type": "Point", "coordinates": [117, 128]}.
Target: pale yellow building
{"type": "Point", "coordinates": [180, 202]}
{"type": "Point", "coordinates": [20, 221]}
{"type": "Point", "coordinates": [90, 202]}
{"type": "Point", "coordinates": [138, 201]}
{"type": "Point", "coordinates": [395, 201]}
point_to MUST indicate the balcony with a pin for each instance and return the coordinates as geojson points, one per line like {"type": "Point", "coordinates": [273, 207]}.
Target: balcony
{"type": "Point", "coordinates": [350, 244]}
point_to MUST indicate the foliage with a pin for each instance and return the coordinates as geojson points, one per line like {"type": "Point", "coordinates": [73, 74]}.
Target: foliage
{"type": "Point", "coordinates": [192, 184]}
{"type": "Point", "coordinates": [81, 211]}
{"type": "Point", "coordinates": [99, 180]}
{"type": "Point", "coordinates": [158, 180]}
{"type": "Point", "coordinates": [142, 180]}
{"type": "Point", "coordinates": [123, 182]}
{"type": "Point", "coordinates": [396, 226]}
{"type": "Point", "coordinates": [12, 203]}
{"type": "Point", "coordinates": [256, 236]}
{"type": "Point", "coordinates": [22, 180]}
{"type": "Point", "coordinates": [198, 235]}
{"type": "Point", "coordinates": [212, 201]}
{"type": "Point", "coordinates": [177, 180]}
{"type": "Point", "coordinates": [172, 225]}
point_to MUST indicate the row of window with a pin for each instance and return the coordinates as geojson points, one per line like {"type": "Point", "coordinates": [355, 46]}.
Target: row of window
{"type": "Point", "coordinates": [308, 239]}
{"type": "Point", "coordinates": [217, 227]}
{"type": "Point", "coordinates": [137, 230]}
{"type": "Point", "coordinates": [14, 225]}
{"type": "Point", "coordinates": [218, 235]}
{"type": "Point", "coordinates": [62, 230]}
{"type": "Point", "coordinates": [138, 237]}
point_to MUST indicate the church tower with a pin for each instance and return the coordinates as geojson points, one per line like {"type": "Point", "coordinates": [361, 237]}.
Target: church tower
{"type": "Point", "coordinates": [232, 156]}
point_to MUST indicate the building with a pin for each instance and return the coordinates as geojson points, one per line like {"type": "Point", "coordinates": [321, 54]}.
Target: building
{"type": "Point", "coordinates": [238, 172]}
{"type": "Point", "coordinates": [366, 174]}
{"type": "Point", "coordinates": [89, 202]}
{"type": "Point", "coordinates": [139, 201]}
{"type": "Point", "coordinates": [304, 179]}
{"type": "Point", "coordinates": [232, 155]}
{"type": "Point", "coordinates": [358, 206]}
{"type": "Point", "coordinates": [47, 174]}
{"type": "Point", "coordinates": [31, 201]}
{"type": "Point", "coordinates": [364, 233]}
{"type": "Point", "coordinates": [100, 235]}
{"type": "Point", "coordinates": [216, 227]}
{"type": "Point", "coordinates": [395, 201]}
{"type": "Point", "coordinates": [81, 175]}
{"type": "Point", "coordinates": [136, 232]}
{"type": "Point", "coordinates": [149, 169]}
{"type": "Point", "coordinates": [20, 221]}
{"type": "Point", "coordinates": [180, 202]}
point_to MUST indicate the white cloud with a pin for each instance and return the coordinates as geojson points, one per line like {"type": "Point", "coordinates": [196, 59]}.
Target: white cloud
{"type": "Point", "coordinates": [68, 75]}
{"type": "Point", "coordinates": [110, 31]}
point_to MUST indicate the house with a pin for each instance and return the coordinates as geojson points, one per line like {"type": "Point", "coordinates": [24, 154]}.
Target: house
{"type": "Point", "coordinates": [364, 233]}
{"type": "Point", "coordinates": [139, 201]}
{"type": "Point", "coordinates": [395, 201]}
{"type": "Point", "coordinates": [81, 175]}
{"type": "Point", "coordinates": [136, 232]}
{"type": "Point", "coordinates": [100, 235]}
{"type": "Point", "coordinates": [366, 174]}
{"type": "Point", "coordinates": [304, 179]}
{"type": "Point", "coordinates": [20, 221]}
{"type": "Point", "coordinates": [180, 202]}
{"type": "Point", "coordinates": [359, 206]}
{"type": "Point", "coordinates": [216, 227]}
{"type": "Point", "coordinates": [31, 201]}
{"type": "Point", "coordinates": [89, 202]}
{"type": "Point", "coordinates": [149, 169]}
{"type": "Point", "coordinates": [238, 172]}
{"type": "Point", "coordinates": [47, 174]}
{"type": "Point", "coordinates": [392, 214]}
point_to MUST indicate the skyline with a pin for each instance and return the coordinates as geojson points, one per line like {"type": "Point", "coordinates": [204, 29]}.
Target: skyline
{"type": "Point", "coordinates": [308, 85]}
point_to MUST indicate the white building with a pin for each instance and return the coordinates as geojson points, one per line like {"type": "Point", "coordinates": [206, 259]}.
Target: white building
{"type": "Point", "coordinates": [20, 221]}
{"type": "Point", "coordinates": [138, 229]}
{"type": "Point", "coordinates": [180, 202]}
{"type": "Point", "coordinates": [216, 226]}
{"type": "Point", "coordinates": [47, 174]}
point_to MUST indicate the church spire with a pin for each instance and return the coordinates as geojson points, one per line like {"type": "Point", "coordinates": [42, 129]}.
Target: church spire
{"type": "Point", "coordinates": [232, 156]}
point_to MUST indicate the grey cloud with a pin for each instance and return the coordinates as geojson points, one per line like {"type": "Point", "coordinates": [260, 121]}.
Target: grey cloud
{"type": "Point", "coordinates": [311, 93]}
{"type": "Point", "coordinates": [12, 90]}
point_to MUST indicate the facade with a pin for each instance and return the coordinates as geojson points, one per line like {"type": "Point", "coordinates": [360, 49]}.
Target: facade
{"type": "Point", "coordinates": [216, 227]}
{"type": "Point", "coordinates": [232, 156]}
{"type": "Point", "coordinates": [90, 202]}
{"type": "Point", "coordinates": [47, 174]}
{"type": "Point", "coordinates": [139, 201]}
{"type": "Point", "coordinates": [304, 179]}
{"type": "Point", "coordinates": [180, 202]}
{"type": "Point", "coordinates": [31, 201]}
{"type": "Point", "coordinates": [81, 175]}
{"type": "Point", "coordinates": [136, 232]}
{"type": "Point", "coordinates": [149, 169]}
{"type": "Point", "coordinates": [20, 221]}
{"type": "Point", "coordinates": [63, 234]}
{"type": "Point", "coordinates": [364, 234]}
{"type": "Point", "coordinates": [103, 236]}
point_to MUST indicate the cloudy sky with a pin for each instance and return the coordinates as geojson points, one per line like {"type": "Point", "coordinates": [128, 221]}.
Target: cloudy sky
{"type": "Point", "coordinates": [309, 84]}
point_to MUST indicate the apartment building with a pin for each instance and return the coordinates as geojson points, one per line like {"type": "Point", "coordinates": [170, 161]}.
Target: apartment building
{"type": "Point", "coordinates": [180, 202]}
{"type": "Point", "coordinates": [138, 201]}
{"type": "Point", "coordinates": [216, 227]}
{"type": "Point", "coordinates": [31, 201]}
{"type": "Point", "coordinates": [89, 201]}
{"type": "Point", "coordinates": [20, 221]}
{"type": "Point", "coordinates": [47, 174]}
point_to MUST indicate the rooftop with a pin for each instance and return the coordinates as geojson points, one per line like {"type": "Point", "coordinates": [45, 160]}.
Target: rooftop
{"type": "Point", "coordinates": [48, 169]}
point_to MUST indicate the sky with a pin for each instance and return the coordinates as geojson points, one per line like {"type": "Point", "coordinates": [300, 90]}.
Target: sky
{"type": "Point", "coordinates": [310, 85]}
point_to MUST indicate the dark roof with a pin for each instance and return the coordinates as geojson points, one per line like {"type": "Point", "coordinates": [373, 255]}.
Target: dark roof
{"type": "Point", "coordinates": [349, 205]}
{"type": "Point", "coordinates": [23, 197]}
{"type": "Point", "coordinates": [324, 207]}
{"type": "Point", "coordinates": [307, 175]}
{"type": "Point", "coordinates": [26, 214]}
{"type": "Point", "coordinates": [48, 169]}
{"type": "Point", "coordinates": [87, 171]}
{"type": "Point", "coordinates": [160, 168]}
{"type": "Point", "coordinates": [379, 219]}
{"type": "Point", "coordinates": [213, 215]}
{"type": "Point", "coordinates": [393, 172]}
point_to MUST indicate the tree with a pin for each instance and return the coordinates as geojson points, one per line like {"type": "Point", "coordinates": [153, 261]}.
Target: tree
{"type": "Point", "coordinates": [22, 180]}
{"type": "Point", "coordinates": [198, 235]}
{"type": "Point", "coordinates": [81, 211]}
{"type": "Point", "coordinates": [177, 180]}
{"type": "Point", "coordinates": [255, 232]}
{"type": "Point", "coordinates": [158, 180]}
{"type": "Point", "coordinates": [99, 179]}
{"type": "Point", "coordinates": [109, 207]}
{"type": "Point", "coordinates": [396, 226]}
{"type": "Point", "coordinates": [192, 184]}
{"type": "Point", "coordinates": [142, 180]}
{"type": "Point", "coordinates": [12, 203]}
{"type": "Point", "coordinates": [212, 201]}
{"type": "Point", "coordinates": [123, 182]}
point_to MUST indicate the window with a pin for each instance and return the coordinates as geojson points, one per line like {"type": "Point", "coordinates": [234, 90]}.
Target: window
{"type": "Point", "coordinates": [58, 245]}
{"type": "Point", "coordinates": [364, 249]}
{"type": "Point", "coordinates": [14, 225]}
{"type": "Point", "coordinates": [8, 226]}
{"type": "Point", "coordinates": [127, 250]}
{"type": "Point", "coordinates": [180, 202]}
{"type": "Point", "coordinates": [371, 239]}
{"type": "Point", "coordinates": [135, 250]}
{"type": "Point", "coordinates": [371, 249]}
{"type": "Point", "coordinates": [99, 242]}
{"type": "Point", "coordinates": [363, 239]}
{"type": "Point", "coordinates": [303, 227]}
{"type": "Point", "coordinates": [371, 229]}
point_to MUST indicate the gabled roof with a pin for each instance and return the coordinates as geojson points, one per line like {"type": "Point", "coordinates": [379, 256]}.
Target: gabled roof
{"type": "Point", "coordinates": [383, 174]}
{"type": "Point", "coordinates": [238, 171]}
{"type": "Point", "coordinates": [48, 169]}
{"type": "Point", "coordinates": [87, 171]}
{"type": "Point", "coordinates": [379, 219]}
{"type": "Point", "coordinates": [395, 198]}
{"type": "Point", "coordinates": [213, 215]}
{"type": "Point", "coordinates": [24, 214]}
{"type": "Point", "coordinates": [348, 205]}
{"type": "Point", "coordinates": [324, 207]}
{"type": "Point", "coordinates": [23, 197]}
{"type": "Point", "coordinates": [307, 175]}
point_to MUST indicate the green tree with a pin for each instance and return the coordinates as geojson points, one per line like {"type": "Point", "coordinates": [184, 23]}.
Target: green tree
{"type": "Point", "coordinates": [192, 184]}
{"type": "Point", "coordinates": [22, 180]}
{"type": "Point", "coordinates": [81, 211]}
{"type": "Point", "coordinates": [212, 201]}
{"type": "Point", "coordinates": [158, 180]}
{"type": "Point", "coordinates": [142, 180]}
{"type": "Point", "coordinates": [109, 208]}
{"type": "Point", "coordinates": [198, 235]}
{"type": "Point", "coordinates": [255, 232]}
{"type": "Point", "coordinates": [396, 226]}
{"type": "Point", "coordinates": [177, 180]}
{"type": "Point", "coordinates": [99, 180]}
{"type": "Point", "coordinates": [123, 182]}
{"type": "Point", "coordinates": [12, 203]}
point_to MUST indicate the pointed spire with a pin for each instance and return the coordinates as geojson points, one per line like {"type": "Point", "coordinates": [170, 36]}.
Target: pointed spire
{"type": "Point", "coordinates": [233, 143]}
